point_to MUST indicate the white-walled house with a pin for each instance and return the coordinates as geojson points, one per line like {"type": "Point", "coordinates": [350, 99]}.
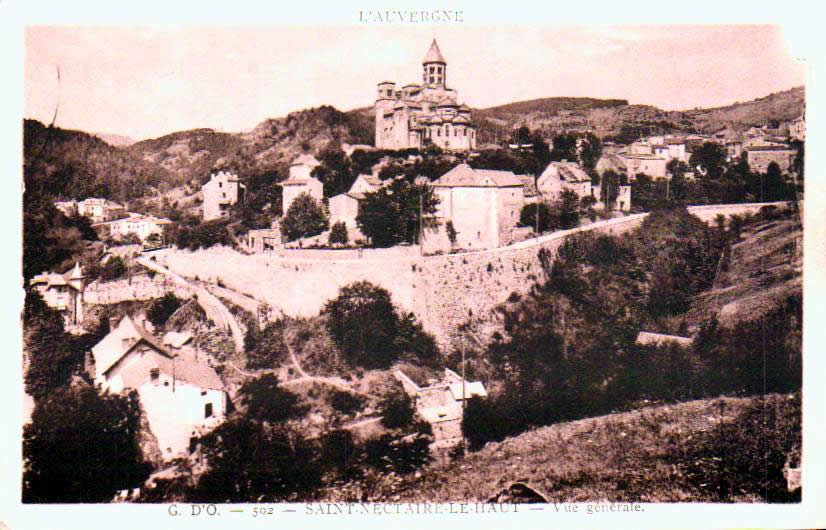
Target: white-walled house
{"type": "Point", "coordinates": [482, 204]}
{"type": "Point", "coordinates": [181, 396]}
{"type": "Point", "coordinates": [561, 176]}
{"type": "Point", "coordinates": [141, 225]}
{"type": "Point", "coordinates": [344, 207]}
{"type": "Point", "coordinates": [100, 210]}
{"type": "Point", "coordinates": [222, 191]}
{"type": "Point", "coordinates": [63, 292]}
{"type": "Point", "coordinates": [301, 181]}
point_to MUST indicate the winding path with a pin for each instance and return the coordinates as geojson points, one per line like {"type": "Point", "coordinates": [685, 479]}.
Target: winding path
{"type": "Point", "coordinates": [213, 307]}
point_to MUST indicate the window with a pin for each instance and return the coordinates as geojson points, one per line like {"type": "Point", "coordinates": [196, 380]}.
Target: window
{"type": "Point", "coordinates": [438, 132]}
{"type": "Point", "coordinates": [389, 92]}
{"type": "Point", "coordinates": [220, 184]}
{"type": "Point", "coordinates": [465, 132]}
{"type": "Point", "coordinates": [455, 132]}
{"type": "Point", "coordinates": [431, 71]}
{"type": "Point", "coordinates": [431, 78]}
{"type": "Point", "coordinates": [154, 374]}
{"type": "Point", "coordinates": [438, 69]}
{"type": "Point", "coordinates": [203, 392]}
{"type": "Point", "coordinates": [208, 410]}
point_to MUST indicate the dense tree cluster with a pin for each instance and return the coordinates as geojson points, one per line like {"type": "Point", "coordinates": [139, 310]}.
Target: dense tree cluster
{"type": "Point", "coordinates": [569, 347]}
{"type": "Point", "coordinates": [371, 332]}
{"type": "Point", "coordinates": [162, 308]}
{"type": "Point", "coordinates": [305, 217]}
{"type": "Point", "coordinates": [393, 214]}
{"type": "Point", "coordinates": [82, 447]}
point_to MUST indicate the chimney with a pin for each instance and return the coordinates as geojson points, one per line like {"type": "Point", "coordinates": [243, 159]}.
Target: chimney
{"type": "Point", "coordinates": [564, 160]}
{"type": "Point", "coordinates": [113, 322]}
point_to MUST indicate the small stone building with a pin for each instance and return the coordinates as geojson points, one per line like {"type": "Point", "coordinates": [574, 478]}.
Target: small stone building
{"type": "Point", "coordinates": [222, 191]}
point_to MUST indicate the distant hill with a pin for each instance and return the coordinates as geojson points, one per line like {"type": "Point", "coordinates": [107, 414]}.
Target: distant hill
{"type": "Point", "coordinates": [75, 164]}
{"type": "Point", "coordinates": [115, 139]}
{"type": "Point", "coordinates": [769, 110]}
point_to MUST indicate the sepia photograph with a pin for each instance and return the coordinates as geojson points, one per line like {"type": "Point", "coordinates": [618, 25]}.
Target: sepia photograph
{"type": "Point", "coordinates": [410, 261]}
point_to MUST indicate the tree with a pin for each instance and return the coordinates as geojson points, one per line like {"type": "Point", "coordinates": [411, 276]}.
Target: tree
{"type": "Point", "coordinates": [609, 189]}
{"type": "Point", "coordinates": [710, 158]}
{"type": "Point", "coordinates": [82, 447]}
{"type": "Point", "coordinates": [392, 214]}
{"type": "Point", "coordinates": [364, 324]}
{"type": "Point", "coordinates": [305, 218]}
{"type": "Point", "coordinates": [396, 409]}
{"type": "Point", "coordinates": [589, 149]}
{"type": "Point", "coordinates": [527, 217]}
{"type": "Point", "coordinates": [451, 233]}
{"type": "Point", "coordinates": [338, 234]}
{"type": "Point", "coordinates": [567, 209]}
{"type": "Point", "coordinates": [267, 347]}
{"type": "Point", "coordinates": [251, 461]}
{"type": "Point", "coordinates": [51, 360]}
{"type": "Point", "coordinates": [266, 401]}
{"type": "Point", "coordinates": [335, 170]}
{"type": "Point", "coordinates": [164, 307]}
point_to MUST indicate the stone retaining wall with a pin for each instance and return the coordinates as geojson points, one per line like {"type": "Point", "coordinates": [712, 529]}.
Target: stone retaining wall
{"type": "Point", "coordinates": [443, 291]}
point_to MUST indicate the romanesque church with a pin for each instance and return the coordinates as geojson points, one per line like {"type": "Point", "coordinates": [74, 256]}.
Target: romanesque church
{"type": "Point", "coordinates": [420, 114]}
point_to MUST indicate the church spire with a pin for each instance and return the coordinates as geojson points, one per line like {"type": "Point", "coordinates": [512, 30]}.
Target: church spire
{"type": "Point", "coordinates": [434, 55]}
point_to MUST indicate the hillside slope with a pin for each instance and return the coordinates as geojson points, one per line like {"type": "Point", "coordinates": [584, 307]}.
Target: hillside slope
{"type": "Point", "coordinates": [270, 146]}
{"type": "Point", "coordinates": [647, 455]}
{"type": "Point", "coordinates": [765, 267]}
{"type": "Point", "coordinates": [75, 164]}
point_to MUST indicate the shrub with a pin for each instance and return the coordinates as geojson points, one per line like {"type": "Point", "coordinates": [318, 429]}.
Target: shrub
{"type": "Point", "coordinates": [304, 218]}
{"type": "Point", "coordinates": [399, 455]}
{"type": "Point", "coordinates": [268, 346]}
{"type": "Point", "coordinates": [163, 308]}
{"type": "Point", "coordinates": [266, 401]}
{"type": "Point", "coordinates": [396, 409]}
{"type": "Point", "coordinates": [113, 269]}
{"type": "Point", "coordinates": [345, 402]}
{"type": "Point", "coordinates": [338, 234]}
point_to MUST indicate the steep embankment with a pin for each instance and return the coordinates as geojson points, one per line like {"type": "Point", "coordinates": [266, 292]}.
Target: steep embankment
{"type": "Point", "coordinates": [765, 267]}
{"type": "Point", "coordinates": [649, 455]}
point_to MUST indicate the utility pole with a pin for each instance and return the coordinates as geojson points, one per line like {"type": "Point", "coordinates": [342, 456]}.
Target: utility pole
{"type": "Point", "coordinates": [421, 223]}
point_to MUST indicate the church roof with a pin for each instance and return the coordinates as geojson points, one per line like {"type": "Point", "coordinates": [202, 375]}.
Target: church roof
{"type": "Point", "coordinates": [465, 176]}
{"type": "Point", "coordinates": [448, 102]}
{"type": "Point", "coordinates": [434, 55]}
{"type": "Point", "coordinates": [464, 107]}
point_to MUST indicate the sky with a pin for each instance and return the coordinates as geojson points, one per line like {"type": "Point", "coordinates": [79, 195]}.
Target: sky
{"type": "Point", "coordinates": [144, 82]}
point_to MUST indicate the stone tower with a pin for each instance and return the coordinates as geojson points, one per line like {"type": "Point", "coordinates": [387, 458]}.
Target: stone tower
{"type": "Point", "coordinates": [385, 99]}
{"type": "Point", "coordinates": [434, 67]}
{"type": "Point", "coordinates": [76, 280]}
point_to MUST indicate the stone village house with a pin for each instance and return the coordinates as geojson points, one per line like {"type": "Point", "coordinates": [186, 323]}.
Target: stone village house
{"type": "Point", "coordinates": [344, 207]}
{"type": "Point", "coordinates": [63, 292]}
{"type": "Point", "coordinates": [300, 181]}
{"type": "Point", "coordinates": [181, 395]}
{"type": "Point", "coordinates": [222, 191]}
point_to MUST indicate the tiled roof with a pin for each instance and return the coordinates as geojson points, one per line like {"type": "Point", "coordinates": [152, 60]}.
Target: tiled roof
{"type": "Point", "coordinates": [197, 373]}
{"type": "Point", "coordinates": [56, 279]}
{"type": "Point", "coordinates": [119, 342]}
{"type": "Point", "coordinates": [306, 159]}
{"type": "Point", "coordinates": [568, 172]}
{"type": "Point", "coordinates": [465, 176]}
{"type": "Point", "coordinates": [448, 102]}
{"type": "Point", "coordinates": [296, 181]}
{"type": "Point", "coordinates": [434, 55]}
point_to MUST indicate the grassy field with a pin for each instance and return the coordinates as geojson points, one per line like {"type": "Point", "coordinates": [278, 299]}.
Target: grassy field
{"type": "Point", "coordinates": [659, 454]}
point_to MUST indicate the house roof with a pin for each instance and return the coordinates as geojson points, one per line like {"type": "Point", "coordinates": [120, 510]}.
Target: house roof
{"type": "Point", "coordinates": [434, 55]}
{"type": "Point", "coordinates": [370, 179]}
{"type": "Point", "coordinates": [649, 338]}
{"type": "Point", "coordinates": [298, 181]}
{"type": "Point", "coordinates": [465, 176]}
{"type": "Point", "coordinates": [57, 279]}
{"type": "Point", "coordinates": [120, 341]}
{"type": "Point", "coordinates": [528, 184]}
{"type": "Point", "coordinates": [305, 159]}
{"type": "Point", "coordinates": [176, 339]}
{"type": "Point", "coordinates": [567, 171]}
{"type": "Point", "coordinates": [196, 373]}
{"type": "Point", "coordinates": [777, 147]}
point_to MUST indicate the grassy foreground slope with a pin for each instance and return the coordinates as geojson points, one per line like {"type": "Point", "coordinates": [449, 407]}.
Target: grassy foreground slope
{"type": "Point", "coordinates": [716, 450]}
